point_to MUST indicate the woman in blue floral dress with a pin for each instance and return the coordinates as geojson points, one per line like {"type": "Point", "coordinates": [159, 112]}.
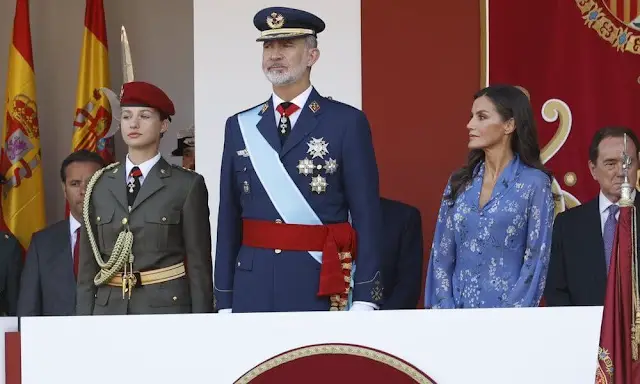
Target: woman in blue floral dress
{"type": "Point", "coordinates": [493, 233]}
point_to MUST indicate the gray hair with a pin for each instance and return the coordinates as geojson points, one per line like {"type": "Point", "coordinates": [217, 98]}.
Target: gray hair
{"type": "Point", "coordinates": [311, 42]}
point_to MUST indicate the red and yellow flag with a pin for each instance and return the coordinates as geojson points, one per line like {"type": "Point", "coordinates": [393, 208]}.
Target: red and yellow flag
{"type": "Point", "coordinates": [93, 111]}
{"type": "Point", "coordinates": [22, 196]}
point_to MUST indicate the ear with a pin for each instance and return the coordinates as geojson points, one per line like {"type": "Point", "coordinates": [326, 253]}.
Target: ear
{"type": "Point", "coordinates": [592, 169]}
{"type": "Point", "coordinates": [510, 126]}
{"type": "Point", "coordinates": [314, 55]}
{"type": "Point", "coordinates": [165, 126]}
{"type": "Point", "coordinates": [64, 190]}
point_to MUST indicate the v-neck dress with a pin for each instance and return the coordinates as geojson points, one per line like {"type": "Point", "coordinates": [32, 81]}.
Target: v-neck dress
{"type": "Point", "coordinates": [497, 255]}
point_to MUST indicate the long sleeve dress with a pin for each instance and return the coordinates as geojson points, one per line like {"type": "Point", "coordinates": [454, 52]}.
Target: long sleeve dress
{"type": "Point", "coordinates": [497, 255]}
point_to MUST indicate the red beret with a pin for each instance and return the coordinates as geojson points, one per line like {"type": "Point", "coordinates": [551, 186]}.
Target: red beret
{"type": "Point", "coordinates": [139, 93]}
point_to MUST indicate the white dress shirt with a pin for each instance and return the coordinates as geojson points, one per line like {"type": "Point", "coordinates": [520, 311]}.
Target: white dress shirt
{"type": "Point", "coordinates": [604, 204]}
{"type": "Point", "coordinates": [299, 100]}
{"type": "Point", "coordinates": [73, 226]}
{"type": "Point", "coordinates": [145, 167]}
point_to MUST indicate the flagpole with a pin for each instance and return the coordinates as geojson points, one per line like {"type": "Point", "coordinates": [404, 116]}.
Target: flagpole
{"type": "Point", "coordinates": [627, 201]}
{"type": "Point", "coordinates": [127, 63]}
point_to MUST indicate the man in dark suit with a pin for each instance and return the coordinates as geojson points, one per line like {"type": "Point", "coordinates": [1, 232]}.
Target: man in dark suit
{"type": "Point", "coordinates": [10, 267]}
{"type": "Point", "coordinates": [401, 254]}
{"type": "Point", "coordinates": [583, 236]}
{"type": "Point", "coordinates": [48, 284]}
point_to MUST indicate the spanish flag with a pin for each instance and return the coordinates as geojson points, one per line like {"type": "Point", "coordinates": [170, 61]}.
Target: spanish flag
{"type": "Point", "coordinates": [21, 160]}
{"type": "Point", "coordinates": [93, 112]}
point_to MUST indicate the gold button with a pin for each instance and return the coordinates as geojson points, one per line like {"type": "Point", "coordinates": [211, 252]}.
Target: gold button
{"type": "Point", "coordinates": [164, 218]}
{"type": "Point", "coordinates": [278, 221]}
{"type": "Point", "coordinates": [98, 218]}
{"type": "Point", "coordinates": [278, 250]}
{"type": "Point", "coordinates": [124, 221]}
{"type": "Point", "coordinates": [175, 298]}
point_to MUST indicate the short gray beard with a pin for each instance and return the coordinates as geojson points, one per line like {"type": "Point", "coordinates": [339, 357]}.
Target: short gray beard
{"type": "Point", "coordinates": [284, 78]}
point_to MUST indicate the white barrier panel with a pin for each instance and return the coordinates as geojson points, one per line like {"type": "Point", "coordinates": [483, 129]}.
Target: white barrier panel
{"type": "Point", "coordinates": [7, 324]}
{"type": "Point", "coordinates": [529, 345]}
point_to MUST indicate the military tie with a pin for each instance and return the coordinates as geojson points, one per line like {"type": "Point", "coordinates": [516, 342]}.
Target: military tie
{"type": "Point", "coordinates": [133, 186]}
{"type": "Point", "coordinates": [609, 232]}
{"type": "Point", "coordinates": [285, 110]}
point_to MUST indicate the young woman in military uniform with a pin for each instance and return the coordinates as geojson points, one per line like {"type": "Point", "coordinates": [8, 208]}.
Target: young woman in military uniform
{"type": "Point", "coordinates": [146, 240]}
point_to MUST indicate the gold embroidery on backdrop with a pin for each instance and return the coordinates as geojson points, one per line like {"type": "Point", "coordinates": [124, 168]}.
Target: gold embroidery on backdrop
{"type": "Point", "coordinates": [570, 179]}
{"type": "Point", "coordinates": [599, 18]}
{"type": "Point", "coordinates": [554, 110]}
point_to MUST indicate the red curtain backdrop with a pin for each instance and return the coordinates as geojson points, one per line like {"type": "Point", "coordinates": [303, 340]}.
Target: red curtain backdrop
{"type": "Point", "coordinates": [580, 59]}
{"type": "Point", "coordinates": [420, 62]}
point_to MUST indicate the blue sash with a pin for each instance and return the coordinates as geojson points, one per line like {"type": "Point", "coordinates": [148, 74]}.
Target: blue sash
{"type": "Point", "coordinates": [291, 205]}
{"type": "Point", "coordinates": [283, 192]}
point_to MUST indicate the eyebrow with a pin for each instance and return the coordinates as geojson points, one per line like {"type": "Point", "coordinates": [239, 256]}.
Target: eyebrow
{"type": "Point", "coordinates": [142, 110]}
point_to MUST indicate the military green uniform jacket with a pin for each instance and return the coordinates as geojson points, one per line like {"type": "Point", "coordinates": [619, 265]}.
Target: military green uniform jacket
{"type": "Point", "coordinates": [170, 224]}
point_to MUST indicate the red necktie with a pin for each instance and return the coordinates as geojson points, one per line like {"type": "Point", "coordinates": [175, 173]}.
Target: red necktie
{"type": "Point", "coordinates": [285, 110]}
{"type": "Point", "coordinates": [135, 172]}
{"type": "Point", "coordinates": [76, 253]}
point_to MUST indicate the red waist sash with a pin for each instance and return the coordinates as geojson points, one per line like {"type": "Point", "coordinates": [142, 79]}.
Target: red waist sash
{"type": "Point", "coordinates": [333, 240]}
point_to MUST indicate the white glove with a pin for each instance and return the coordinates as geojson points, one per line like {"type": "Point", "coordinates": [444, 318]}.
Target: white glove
{"type": "Point", "coordinates": [226, 310]}
{"type": "Point", "coordinates": [362, 306]}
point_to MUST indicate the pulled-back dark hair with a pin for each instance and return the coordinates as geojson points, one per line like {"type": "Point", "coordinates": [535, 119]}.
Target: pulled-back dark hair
{"type": "Point", "coordinates": [510, 103]}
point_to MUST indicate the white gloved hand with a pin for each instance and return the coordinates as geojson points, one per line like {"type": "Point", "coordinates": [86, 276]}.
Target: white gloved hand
{"type": "Point", "coordinates": [361, 306]}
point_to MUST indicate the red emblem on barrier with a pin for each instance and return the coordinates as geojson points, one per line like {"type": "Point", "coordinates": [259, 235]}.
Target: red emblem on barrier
{"type": "Point", "coordinates": [336, 364]}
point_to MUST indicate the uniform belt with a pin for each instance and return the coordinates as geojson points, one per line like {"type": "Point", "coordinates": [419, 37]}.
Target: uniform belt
{"type": "Point", "coordinates": [154, 276]}
{"type": "Point", "coordinates": [336, 241]}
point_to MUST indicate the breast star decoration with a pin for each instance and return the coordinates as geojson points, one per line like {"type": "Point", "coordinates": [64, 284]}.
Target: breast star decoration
{"type": "Point", "coordinates": [318, 148]}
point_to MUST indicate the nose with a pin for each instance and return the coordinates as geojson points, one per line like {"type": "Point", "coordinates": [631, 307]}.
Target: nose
{"type": "Point", "coordinates": [469, 124]}
{"type": "Point", "coordinates": [133, 123]}
{"type": "Point", "coordinates": [275, 54]}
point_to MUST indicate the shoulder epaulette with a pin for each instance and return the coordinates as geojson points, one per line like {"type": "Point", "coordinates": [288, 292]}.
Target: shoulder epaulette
{"type": "Point", "coordinates": [184, 169]}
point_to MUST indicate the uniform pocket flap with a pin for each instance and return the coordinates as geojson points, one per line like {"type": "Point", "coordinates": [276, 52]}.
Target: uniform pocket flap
{"type": "Point", "coordinates": [156, 217]}
{"type": "Point", "coordinates": [243, 165]}
{"type": "Point", "coordinates": [170, 293]}
{"type": "Point", "coordinates": [104, 216]}
{"type": "Point", "coordinates": [244, 260]}
{"type": "Point", "coordinates": [102, 296]}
